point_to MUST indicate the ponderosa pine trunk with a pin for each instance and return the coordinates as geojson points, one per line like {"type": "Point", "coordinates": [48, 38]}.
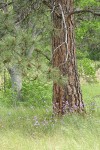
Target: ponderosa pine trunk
{"type": "Point", "coordinates": [66, 97]}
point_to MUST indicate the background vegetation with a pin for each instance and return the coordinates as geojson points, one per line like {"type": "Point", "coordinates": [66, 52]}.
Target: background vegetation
{"type": "Point", "coordinates": [29, 124]}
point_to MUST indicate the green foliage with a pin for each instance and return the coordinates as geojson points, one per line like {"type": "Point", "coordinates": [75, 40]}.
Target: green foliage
{"type": "Point", "coordinates": [35, 93]}
{"type": "Point", "coordinates": [89, 3]}
{"type": "Point", "coordinates": [87, 69]}
{"type": "Point", "coordinates": [15, 48]}
{"type": "Point", "coordinates": [38, 93]}
{"type": "Point", "coordinates": [55, 75]}
{"type": "Point", "coordinates": [87, 35]}
{"type": "Point", "coordinates": [6, 24]}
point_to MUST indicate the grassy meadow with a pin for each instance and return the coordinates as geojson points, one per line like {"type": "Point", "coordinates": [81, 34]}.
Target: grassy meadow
{"type": "Point", "coordinates": [25, 127]}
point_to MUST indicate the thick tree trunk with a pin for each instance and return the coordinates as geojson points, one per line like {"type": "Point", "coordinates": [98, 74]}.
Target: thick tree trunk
{"type": "Point", "coordinates": [66, 97]}
{"type": "Point", "coordinates": [16, 81]}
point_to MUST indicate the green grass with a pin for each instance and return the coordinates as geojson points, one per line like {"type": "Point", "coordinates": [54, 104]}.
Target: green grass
{"type": "Point", "coordinates": [33, 128]}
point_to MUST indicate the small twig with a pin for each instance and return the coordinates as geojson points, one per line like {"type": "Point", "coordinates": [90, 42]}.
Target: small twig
{"type": "Point", "coordinates": [65, 28]}
{"type": "Point", "coordinates": [58, 46]}
{"type": "Point", "coordinates": [53, 8]}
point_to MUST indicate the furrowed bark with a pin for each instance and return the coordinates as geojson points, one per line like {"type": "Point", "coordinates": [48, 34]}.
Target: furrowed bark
{"type": "Point", "coordinates": [66, 97]}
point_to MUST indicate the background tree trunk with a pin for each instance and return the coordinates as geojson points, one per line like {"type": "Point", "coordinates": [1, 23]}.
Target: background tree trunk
{"type": "Point", "coordinates": [66, 97]}
{"type": "Point", "coordinates": [16, 82]}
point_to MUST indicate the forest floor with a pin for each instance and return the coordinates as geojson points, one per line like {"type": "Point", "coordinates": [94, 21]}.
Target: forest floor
{"type": "Point", "coordinates": [28, 128]}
